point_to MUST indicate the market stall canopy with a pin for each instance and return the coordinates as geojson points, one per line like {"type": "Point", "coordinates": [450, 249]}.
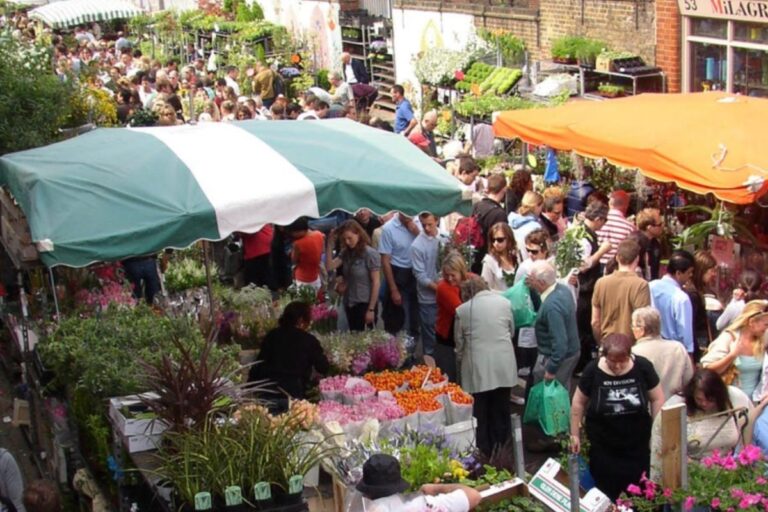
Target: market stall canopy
{"type": "Point", "coordinates": [69, 13]}
{"type": "Point", "coordinates": [704, 142]}
{"type": "Point", "coordinates": [119, 192]}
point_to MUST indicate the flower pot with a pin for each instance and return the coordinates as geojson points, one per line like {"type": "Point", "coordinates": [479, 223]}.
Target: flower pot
{"type": "Point", "coordinates": [564, 60]}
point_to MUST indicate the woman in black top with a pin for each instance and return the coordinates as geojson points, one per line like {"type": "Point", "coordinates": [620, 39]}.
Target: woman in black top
{"type": "Point", "coordinates": [289, 353]}
{"type": "Point", "coordinates": [621, 395]}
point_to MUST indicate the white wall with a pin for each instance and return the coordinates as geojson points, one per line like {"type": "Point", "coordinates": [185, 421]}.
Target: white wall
{"type": "Point", "coordinates": [417, 31]}
{"type": "Point", "coordinates": [314, 23]}
{"type": "Point", "coordinates": [154, 5]}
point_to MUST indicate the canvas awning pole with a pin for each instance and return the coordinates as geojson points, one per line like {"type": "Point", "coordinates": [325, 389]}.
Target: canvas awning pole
{"type": "Point", "coordinates": [208, 277]}
{"type": "Point", "coordinates": [55, 297]}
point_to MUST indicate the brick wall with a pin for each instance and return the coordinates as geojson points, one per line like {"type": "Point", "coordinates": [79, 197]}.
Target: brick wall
{"type": "Point", "coordinates": [668, 49]}
{"type": "Point", "coordinates": [623, 24]}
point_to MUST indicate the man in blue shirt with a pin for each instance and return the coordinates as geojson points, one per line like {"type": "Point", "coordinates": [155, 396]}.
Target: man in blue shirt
{"type": "Point", "coordinates": [674, 305]}
{"type": "Point", "coordinates": [405, 121]}
{"type": "Point", "coordinates": [424, 255]}
{"type": "Point", "coordinates": [400, 307]}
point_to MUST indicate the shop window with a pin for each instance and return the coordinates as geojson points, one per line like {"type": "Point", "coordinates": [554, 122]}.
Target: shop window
{"type": "Point", "coordinates": [708, 67]}
{"type": "Point", "coordinates": [750, 32]}
{"type": "Point", "coordinates": [750, 72]}
{"type": "Point", "coordinates": [707, 27]}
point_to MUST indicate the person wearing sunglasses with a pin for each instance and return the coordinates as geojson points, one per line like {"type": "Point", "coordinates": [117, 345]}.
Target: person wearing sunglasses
{"type": "Point", "coordinates": [537, 246]}
{"type": "Point", "coordinates": [738, 353]}
{"type": "Point", "coordinates": [650, 227]}
{"type": "Point", "coordinates": [500, 263]}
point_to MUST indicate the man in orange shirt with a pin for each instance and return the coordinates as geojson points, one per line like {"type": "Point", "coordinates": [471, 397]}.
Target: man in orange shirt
{"type": "Point", "coordinates": [307, 252]}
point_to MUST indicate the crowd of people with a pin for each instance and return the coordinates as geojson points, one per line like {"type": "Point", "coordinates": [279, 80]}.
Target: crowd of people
{"type": "Point", "coordinates": [622, 332]}
{"type": "Point", "coordinates": [632, 333]}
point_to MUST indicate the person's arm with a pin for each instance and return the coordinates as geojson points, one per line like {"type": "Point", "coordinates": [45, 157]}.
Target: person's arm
{"type": "Point", "coordinates": [370, 315]}
{"type": "Point", "coordinates": [419, 261]}
{"type": "Point", "coordinates": [596, 321]}
{"type": "Point", "coordinates": [656, 397]}
{"type": "Point", "coordinates": [473, 496]}
{"type": "Point", "coordinates": [487, 273]}
{"type": "Point", "coordinates": [556, 325]}
{"type": "Point", "coordinates": [319, 360]}
{"type": "Point", "coordinates": [458, 336]}
{"type": "Point", "coordinates": [595, 258]}
{"type": "Point", "coordinates": [389, 275]}
{"type": "Point", "coordinates": [722, 353]}
{"type": "Point", "coordinates": [294, 253]}
{"type": "Point", "coordinates": [12, 480]}
{"type": "Point", "coordinates": [685, 316]}
{"type": "Point", "coordinates": [578, 405]}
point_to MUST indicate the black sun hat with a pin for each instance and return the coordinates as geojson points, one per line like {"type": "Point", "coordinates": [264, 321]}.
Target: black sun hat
{"type": "Point", "coordinates": [381, 477]}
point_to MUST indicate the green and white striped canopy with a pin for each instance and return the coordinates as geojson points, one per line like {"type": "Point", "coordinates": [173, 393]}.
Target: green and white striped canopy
{"type": "Point", "coordinates": [119, 192]}
{"type": "Point", "coordinates": [69, 13]}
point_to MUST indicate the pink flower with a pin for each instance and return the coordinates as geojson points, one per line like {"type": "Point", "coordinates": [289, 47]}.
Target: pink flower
{"type": "Point", "coordinates": [667, 493]}
{"type": "Point", "coordinates": [715, 503]}
{"type": "Point", "coordinates": [707, 462]}
{"type": "Point", "coordinates": [634, 489]}
{"type": "Point", "coordinates": [760, 480]}
{"type": "Point", "coordinates": [689, 502]}
{"type": "Point", "coordinates": [650, 493]}
{"type": "Point", "coordinates": [737, 493]}
{"type": "Point", "coordinates": [749, 455]}
{"type": "Point", "coordinates": [729, 463]}
{"type": "Point", "coordinates": [459, 75]}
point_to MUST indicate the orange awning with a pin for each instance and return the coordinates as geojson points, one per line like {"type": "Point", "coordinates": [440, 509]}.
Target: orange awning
{"type": "Point", "coordinates": [704, 142]}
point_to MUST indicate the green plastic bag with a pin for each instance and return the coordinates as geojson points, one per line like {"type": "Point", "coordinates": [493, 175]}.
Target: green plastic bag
{"type": "Point", "coordinates": [519, 296]}
{"type": "Point", "coordinates": [548, 403]}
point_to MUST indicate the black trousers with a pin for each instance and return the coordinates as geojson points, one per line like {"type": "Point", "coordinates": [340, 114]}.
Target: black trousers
{"type": "Point", "coordinates": [356, 316]}
{"type": "Point", "coordinates": [494, 426]}
{"type": "Point", "coordinates": [445, 359]}
{"type": "Point", "coordinates": [258, 271]}
{"type": "Point", "coordinates": [406, 315]}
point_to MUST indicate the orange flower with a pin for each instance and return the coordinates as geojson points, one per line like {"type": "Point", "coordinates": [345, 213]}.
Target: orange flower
{"type": "Point", "coordinates": [295, 58]}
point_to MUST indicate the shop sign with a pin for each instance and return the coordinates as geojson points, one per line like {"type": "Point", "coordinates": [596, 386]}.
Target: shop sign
{"type": "Point", "coordinates": [743, 10]}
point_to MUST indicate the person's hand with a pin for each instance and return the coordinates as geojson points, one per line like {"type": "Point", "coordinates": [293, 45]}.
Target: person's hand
{"type": "Point", "coordinates": [739, 294]}
{"type": "Point", "coordinates": [607, 246]}
{"type": "Point", "coordinates": [428, 489]}
{"type": "Point", "coordinates": [549, 376]}
{"type": "Point", "coordinates": [575, 443]}
{"type": "Point", "coordinates": [573, 278]}
{"type": "Point", "coordinates": [369, 317]}
{"type": "Point", "coordinates": [396, 298]}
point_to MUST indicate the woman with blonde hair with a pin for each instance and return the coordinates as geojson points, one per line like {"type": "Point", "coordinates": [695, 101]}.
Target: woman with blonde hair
{"type": "Point", "coordinates": [737, 354]}
{"type": "Point", "coordinates": [526, 219]}
{"type": "Point", "coordinates": [448, 297]}
{"type": "Point", "coordinates": [500, 263]}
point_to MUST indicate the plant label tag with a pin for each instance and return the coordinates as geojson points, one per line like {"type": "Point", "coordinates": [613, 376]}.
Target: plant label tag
{"type": "Point", "coordinates": [295, 484]}
{"type": "Point", "coordinates": [557, 496]}
{"type": "Point", "coordinates": [203, 501]}
{"type": "Point", "coordinates": [261, 491]}
{"type": "Point", "coordinates": [233, 495]}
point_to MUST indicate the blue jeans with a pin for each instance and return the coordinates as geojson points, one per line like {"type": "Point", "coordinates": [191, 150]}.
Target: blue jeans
{"type": "Point", "coordinates": [143, 271]}
{"type": "Point", "coordinates": [428, 317]}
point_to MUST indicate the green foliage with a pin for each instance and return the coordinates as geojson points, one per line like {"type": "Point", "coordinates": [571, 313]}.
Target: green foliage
{"type": "Point", "coordinates": [424, 464]}
{"type": "Point", "coordinates": [34, 103]}
{"type": "Point", "coordinates": [511, 47]}
{"type": "Point", "coordinates": [301, 83]}
{"type": "Point", "coordinates": [515, 504]}
{"type": "Point", "coordinates": [90, 105]}
{"type": "Point", "coordinates": [577, 47]}
{"type": "Point", "coordinates": [246, 14]}
{"type": "Point", "coordinates": [322, 79]}
{"type": "Point", "coordinates": [568, 255]}
{"type": "Point", "coordinates": [611, 89]}
{"type": "Point", "coordinates": [186, 273]}
{"type": "Point", "coordinates": [485, 105]}
{"type": "Point", "coordinates": [722, 222]}
{"type": "Point", "coordinates": [500, 81]}
{"type": "Point", "coordinates": [101, 354]}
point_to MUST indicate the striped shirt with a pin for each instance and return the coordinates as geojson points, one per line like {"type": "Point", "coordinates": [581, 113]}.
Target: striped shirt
{"type": "Point", "coordinates": [615, 230]}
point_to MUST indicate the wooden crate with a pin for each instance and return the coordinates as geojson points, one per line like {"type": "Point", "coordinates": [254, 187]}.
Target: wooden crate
{"type": "Point", "coordinates": [14, 233]}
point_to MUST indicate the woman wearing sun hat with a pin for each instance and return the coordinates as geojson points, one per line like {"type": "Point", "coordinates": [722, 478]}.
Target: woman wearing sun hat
{"type": "Point", "coordinates": [382, 487]}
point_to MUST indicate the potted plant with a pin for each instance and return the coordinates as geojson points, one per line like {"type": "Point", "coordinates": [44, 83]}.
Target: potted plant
{"type": "Point", "coordinates": [564, 49]}
{"type": "Point", "coordinates": [610, 90]}
{"type": "Point", "coordinates": [588, 50]}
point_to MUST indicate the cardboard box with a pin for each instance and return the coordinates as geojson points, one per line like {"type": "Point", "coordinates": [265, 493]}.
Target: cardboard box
{"type": "Point", "coordinates": [142, 442]}
{"type": "Point", "coordinates": [503, 491]}
{"type": "Point", "coordinates": [128, 427]}
{"type": "Point", "coordinates": [546, 487]}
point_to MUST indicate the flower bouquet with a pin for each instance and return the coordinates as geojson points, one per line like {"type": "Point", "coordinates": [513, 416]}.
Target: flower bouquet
{"type": "Point", "coordinates": [357, 352]}
{"type": "Point", "coordinates": [324, 318]}
{"type": "Point", "coordinates": [719, 481]}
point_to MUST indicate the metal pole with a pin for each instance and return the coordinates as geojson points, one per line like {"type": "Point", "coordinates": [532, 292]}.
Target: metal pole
{"type": "Point", "coordinates": [53, 291]}
{"type": "Point", "coordinates": [684, 449]}
{"type": "Point", "coordinates": [525, 155]}
{"type": "Point", "coordinates": [573, 481]}
{"type": "Point", "coordinates": [517, 435]}
{"type": "Point", "coordinates": [27, 364]}
{"type": "Point", "coordinates": [208, 277]}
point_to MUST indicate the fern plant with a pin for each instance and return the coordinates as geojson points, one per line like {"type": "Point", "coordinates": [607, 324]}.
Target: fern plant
{"type": "Point", "coordinates": [722, 222]}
